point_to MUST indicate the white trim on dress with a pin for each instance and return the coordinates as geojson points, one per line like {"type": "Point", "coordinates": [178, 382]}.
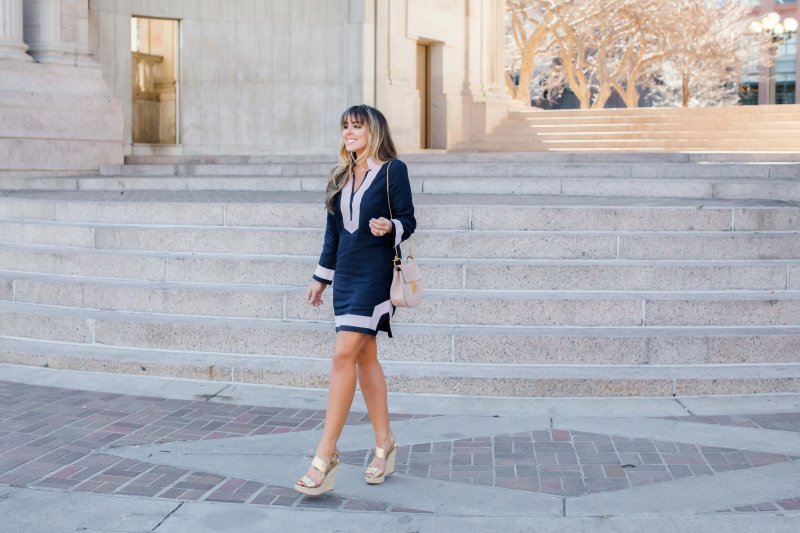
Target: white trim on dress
{"type": "Point", "coordinates": [349, 220]}
{"type": "Point", "coordinates": [398, 232]}
{"type": "Point", "coordinates": [366, 322]}
{"type": "Point", "coordinates": [324, 273]}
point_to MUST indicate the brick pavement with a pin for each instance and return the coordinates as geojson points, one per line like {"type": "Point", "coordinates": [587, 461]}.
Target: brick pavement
{"type": "Point", "coordinates": [792, 504]}
{"type": "Point", "coordinates": [64, 439]}
{"type": "Point", "coordinates": [778, 421]}
{"type": "Point", "coordinates": [566, 463]}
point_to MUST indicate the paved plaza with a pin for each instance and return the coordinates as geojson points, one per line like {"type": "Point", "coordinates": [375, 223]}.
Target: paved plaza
{"type": "Point", "coordinates": [96, 452]}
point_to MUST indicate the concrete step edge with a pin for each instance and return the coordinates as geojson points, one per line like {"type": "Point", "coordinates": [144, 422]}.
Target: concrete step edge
{"type": "Point", "coordinates": [408, 367]}
{"type": "Point", "coordinates": [102, 225]}
{"type": "Point", "coordinates": [733, 295]}
{"type": "Point", "coordinates": [403, 328]}
{"type": "Point", "coordinates": [313, 200]}
{"type": "Point", "coordinates": [108, 252]}
{"type": "Point", "coordinates": [470, 379]}
{"type": "Point", "coordinates": [541, 173]}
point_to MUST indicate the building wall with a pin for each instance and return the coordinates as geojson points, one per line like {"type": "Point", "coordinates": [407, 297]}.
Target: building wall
{"type": "Point", "coordinates": [255, 76]}
{"type": "Point", "coordinates": [467, 93]}
{"type": "Point", "coordinates": [56, 114]}
{"type": "Point", "coordinates": [785, 9]}
{"type": "Point", "coordinates": [273, 76]}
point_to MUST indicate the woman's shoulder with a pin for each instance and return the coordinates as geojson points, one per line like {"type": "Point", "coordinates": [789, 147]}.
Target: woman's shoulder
{"type": "Point", "coordinates": [397, 164]}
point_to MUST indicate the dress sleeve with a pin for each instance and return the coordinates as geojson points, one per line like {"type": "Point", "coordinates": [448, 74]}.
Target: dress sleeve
{"type": "Point", "coordinates": [327, 260]}
{"type": "Point", "coordinates": [403, 222]}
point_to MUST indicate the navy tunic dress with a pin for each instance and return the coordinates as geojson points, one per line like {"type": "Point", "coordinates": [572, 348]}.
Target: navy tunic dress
{"type": "Point", "coordinates": [360, 261]}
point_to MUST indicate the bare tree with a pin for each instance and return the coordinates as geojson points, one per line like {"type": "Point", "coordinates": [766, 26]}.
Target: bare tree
{"type": "Point", "coordinates": [575, 46]}
{"type": "Point", "coordinates": [597, 47]}
{"type": "Point", "coordinates": [639, 51]}
{"type": "Point", "coordinates": [709, 48]}
{"type": "Point", "coordinates": [591, 46]}
{"type": "Point", "coordinates": [528, 28]}
{"type": "Point", "coordinates": [578, 41]}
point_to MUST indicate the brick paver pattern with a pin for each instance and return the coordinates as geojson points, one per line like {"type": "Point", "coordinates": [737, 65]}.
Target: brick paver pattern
{"type": "Point", "coordinates": [792, 504]}
{"type": "Point", "coordinates": [566, 463]}
{"type": "Point", "coordinates": [778, 421]}
{"type": "Point", "coordinates": [64, 439]}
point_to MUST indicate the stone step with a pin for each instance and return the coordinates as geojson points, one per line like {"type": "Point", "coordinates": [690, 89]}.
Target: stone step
{"type": "Point", "coordinates": [650, 124]}
{"type": "Point", "coordinates": [638, 275]}
{"type": "Point", "coordinates": [757, 187]}
{"type": "Point", "coordinates": [697, 112]}
{"type": "Point", "coordinates": [753, 120]}
{"type": "Point", "coordinates": [653, 132]}
{"type": "Point", "coordinates": [710, 142]}
{"type": "Point", "coordinates": [444, 378]}
{"type": "Point", "coordinates": [433, 211]}
{"type": "Point", "coordinates": [427, 169]}
{"type": "Point", "coordinates": [462, 307]}
{"type": "Point", "coordinates": [773, 189]}
{"type": "Point", "coordinates": [700, 125]}
{"type": "Point", "coordinates": [472, 244]}
{"type": "Point", "coordinates": [471, 157]}
{"type": "Point", "coordinates": [662, 139]}
{"type": "Point", "coordinates": [530, 144]}
{"type": "Point", "coordinates": [646, 141]}
{"type": "Point", "coordinates": [412, 343]}
{"type": "Point", "coordinates": [634, 135]}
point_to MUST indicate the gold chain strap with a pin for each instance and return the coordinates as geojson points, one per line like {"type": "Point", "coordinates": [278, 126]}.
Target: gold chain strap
{"type": "Point", "coordinates": [397, 258]}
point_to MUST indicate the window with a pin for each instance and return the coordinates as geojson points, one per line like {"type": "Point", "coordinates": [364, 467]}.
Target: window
{"type": "Point", "coordinates": [786, 71]}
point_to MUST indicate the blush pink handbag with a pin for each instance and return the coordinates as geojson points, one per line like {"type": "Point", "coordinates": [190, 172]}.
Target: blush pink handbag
{"type": "Point", "coordinates": [406, 290]}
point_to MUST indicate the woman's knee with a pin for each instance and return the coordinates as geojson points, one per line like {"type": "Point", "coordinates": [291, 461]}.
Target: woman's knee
{"type": "Point", "coordinates": [347, 350]}
{"type": "Point", "coordinates": [368, 352]}
{"type": "Point", "coordinates": [343, 357]}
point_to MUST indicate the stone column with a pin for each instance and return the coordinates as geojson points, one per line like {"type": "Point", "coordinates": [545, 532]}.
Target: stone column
{"type": "Point", "coordinates": [56, 31]}
{"type": "Point", "coordinates": [472, 47]}
{"type": "Point", "coordinates": [494, 48]}
{"type": "Point", "coordinates": [12, 45]}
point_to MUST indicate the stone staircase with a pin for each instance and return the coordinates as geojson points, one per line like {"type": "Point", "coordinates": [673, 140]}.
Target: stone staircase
{"type": "Point", "coordinates": [546, 274]}
{"type": "Point", "coordinates": [767, 128]}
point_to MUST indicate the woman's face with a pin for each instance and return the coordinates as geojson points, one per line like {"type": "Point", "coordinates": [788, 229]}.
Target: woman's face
{"type": "Point", "coordinates": [355, 136]}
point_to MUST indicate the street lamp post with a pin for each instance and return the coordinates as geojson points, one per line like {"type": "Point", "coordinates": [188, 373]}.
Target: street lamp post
{"type": "Point", "coordinates": [780, 30]}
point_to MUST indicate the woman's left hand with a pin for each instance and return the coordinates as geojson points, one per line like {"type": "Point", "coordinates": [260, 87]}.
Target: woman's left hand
{"type": "Point", "coordinates": [380, 226]}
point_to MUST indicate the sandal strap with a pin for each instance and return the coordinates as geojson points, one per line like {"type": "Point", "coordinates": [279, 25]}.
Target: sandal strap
{"type": "Point", "coordinates": [321, 465]}
{"type": "Point", "coordinates": [326, 466]}
{"type": "Point", "coordinates": [380, 453]}
{"type": "Point", "coordinates": [308, 482]}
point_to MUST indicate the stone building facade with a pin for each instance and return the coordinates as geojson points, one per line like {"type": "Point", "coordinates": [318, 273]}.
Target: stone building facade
{"type": "Point", "coordinates": [779, 85]}
{"type": "Point", "coordinates": [240, 76]}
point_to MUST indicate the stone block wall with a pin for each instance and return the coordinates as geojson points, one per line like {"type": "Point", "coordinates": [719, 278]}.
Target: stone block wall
{"type": "Point", "coordinates": [56, 115]}
{"type": "Point", "coordinates": [273, 76]}
{"type": "Point", "coordinates": [255, 76]}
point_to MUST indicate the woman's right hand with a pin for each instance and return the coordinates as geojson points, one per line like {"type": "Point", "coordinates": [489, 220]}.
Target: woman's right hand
{"type": "Point", "coordinates": [314, 293]}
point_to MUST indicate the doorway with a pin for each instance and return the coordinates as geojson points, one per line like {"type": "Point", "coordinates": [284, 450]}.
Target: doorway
{"type": "Point", "coordinates": [424, 90]}
{"type": "Point", "coordinates": [154, 80]}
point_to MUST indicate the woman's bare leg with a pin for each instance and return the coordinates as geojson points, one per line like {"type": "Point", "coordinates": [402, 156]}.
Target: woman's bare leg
{"type": "Point", "coordinates": [373, 388]}
{"type": "Point", "coordinates": [341, 389]}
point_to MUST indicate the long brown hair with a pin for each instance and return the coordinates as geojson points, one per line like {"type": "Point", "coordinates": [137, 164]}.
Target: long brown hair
{"type": "Point", "coordinates": [379, 147]}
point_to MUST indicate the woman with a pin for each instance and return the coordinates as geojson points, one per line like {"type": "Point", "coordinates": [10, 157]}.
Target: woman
{"type": "Point", "coordinates": [359, 246]}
